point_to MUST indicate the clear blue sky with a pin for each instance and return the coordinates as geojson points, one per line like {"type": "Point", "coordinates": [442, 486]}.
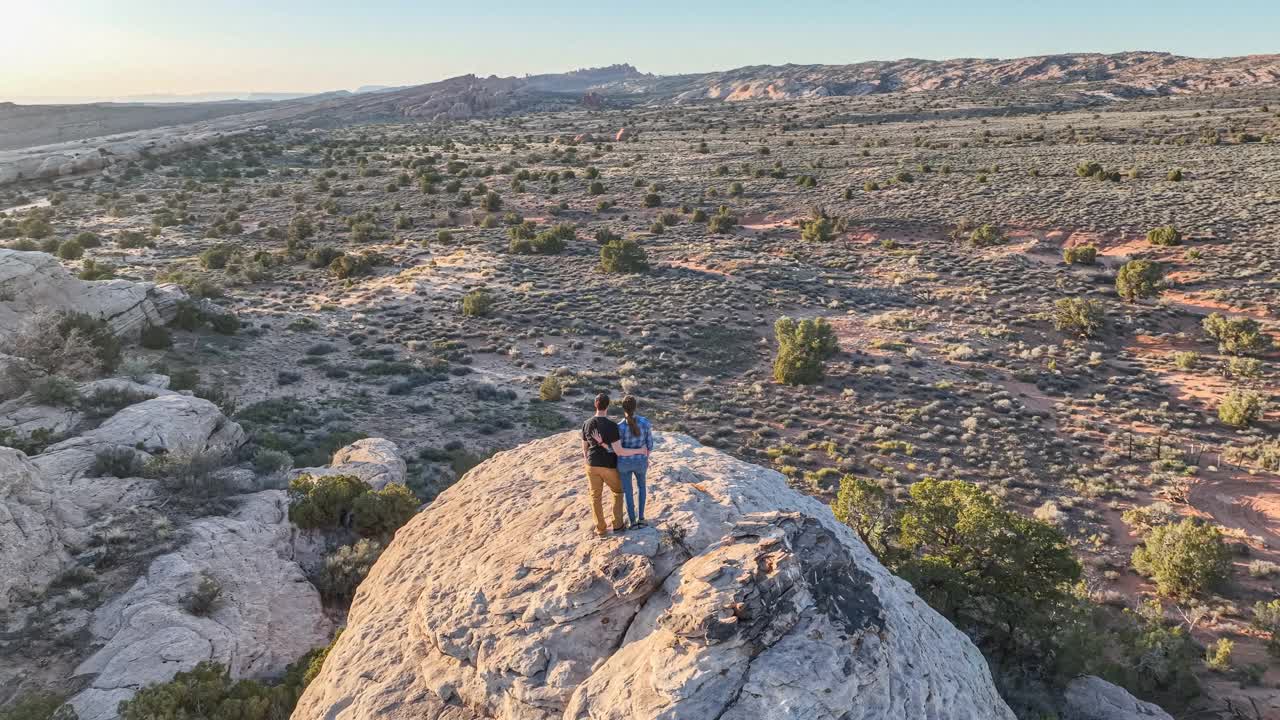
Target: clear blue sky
{"type": "Point", "coordinates": [83, 48]}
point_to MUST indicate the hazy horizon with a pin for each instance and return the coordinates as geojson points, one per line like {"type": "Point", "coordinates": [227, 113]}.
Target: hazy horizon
{"type": "Point", "coordinates": [93, 51]}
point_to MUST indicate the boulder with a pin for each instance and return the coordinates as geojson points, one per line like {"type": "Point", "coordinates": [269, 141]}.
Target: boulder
{"type": "Point", "coordinates": [374, 460]}
{"type": "Point", "coordinates": [168, 424]}
{"type": "Point", "coordinates": [267, 617]}
{"type": "Point", "coordinates": [1092, 698]}
{"type": "Point", "coordinates": [744, 600]}
{"type": "Point", "coordinates": [33, 282]}
{"type": "Point", "coordinates": [31, 551]}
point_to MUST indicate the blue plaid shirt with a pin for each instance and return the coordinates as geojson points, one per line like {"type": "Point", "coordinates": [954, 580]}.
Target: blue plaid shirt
{"type": "Point", "coordinates": [636, 440]}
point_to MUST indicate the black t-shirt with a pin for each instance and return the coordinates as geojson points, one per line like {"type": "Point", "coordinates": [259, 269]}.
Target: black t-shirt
{"type": "Point", "coordinates": [600, 455]}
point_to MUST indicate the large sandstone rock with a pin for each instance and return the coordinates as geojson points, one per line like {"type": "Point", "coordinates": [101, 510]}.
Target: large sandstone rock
{"type": "Point", "coordinates": [167, 424]}
{"type": "Point", "coordinates": [748, 600]}
{"type": "Point", "coordinates": [269, 614]}
{"type": "Point", "coordinates": [374, 460]}
{"type": "Point", "coordinates": [1092, 698]}
{"type": "Point", "coordinates": [31, 551]}
{"type": "Point", "coordinates": [33, 282]}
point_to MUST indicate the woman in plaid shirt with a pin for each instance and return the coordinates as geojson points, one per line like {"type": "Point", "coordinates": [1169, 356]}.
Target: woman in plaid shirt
{"type": "Point", "coordinates": [636, 433]}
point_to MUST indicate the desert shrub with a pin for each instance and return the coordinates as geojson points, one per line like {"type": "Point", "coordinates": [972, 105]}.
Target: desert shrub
{"type": "Point", "coordinates": [379, 513]}
{"type": "Point", "coordinates": [1095, 171]}
{"type": "Point", "coordinates": [345, 569]}
{"type": "Point", "coordinates": [803, 348]}
{"type": "Point", "coordinates": [1186, 359]}
{"type": "Point", "coordinates": [204, 599]}
{"type": "Point", "coordinates": [1080, 255]}
{"type": "Point", "coordinates": [551, 389]}
{"type": "Point", "coordinates": [595, 188]}
{"type": "Point", "coordinates": [94, 270]}
{"type": "Point", "coordinates": [817, 230]}
{"type": "Point", "coordinates": [1139, 279]}
{"type": "Point", "coordinates": [71, 250]}
{"type": "Point", "coordinates": [216, 257]}
{"type": "Point", "coordinates": [119, 462]}
{"type": "Point", "coordinates": [1078, 315]}
{"type": "Point", "coordinates": [865, 507]}
{"type": "Point", "coordinates": [207, 691]}
{"type": "Point", "coordinates": [88, 239]}
{"type": "Point", "coordinates": [189, 476]}
{"type": "Point", "coordinates": [1238, 336]}
{"type": "Point", "coordinates": [267, 461]}
{"type": "Point", "coordinates": [477, 303]}
{"type": "Point", "coordinates": [348, 266]}
{"type": "Point", "coordinates": [735, 189]}
{"type": "Point", "coordinates": [1218, 656]}
{"type": "Point", "coordinates": [985, 236]}
{"type": "Point", "coordinates": [1174, 175]}
{"type": "Point", "coordinates": [322, 256]}
{"type": "Point", "coordinates": [299, 231]}
{"type": "Point", "coordinates": [1004, 578]}
{"type": "Point", "coordinates": [1266, 619]}
{"type": "Point", "coordinates": [604, 236]}
{"type": "Point", "coordinates": [37, 706]}
{"type": "Point", "coordinates": [1184, 559]}
{"type": "Point", "coordinates": [323, 502]}
{"type": "Point", "coordinates": [807, 181]}
{"type": "Point", "coordinates": [721, 223]}
{"type": "Point", "coordinates": [1240, 408]}
{"type": "Point", "coordinates": [1165, 235]}
{"type": "Point", "coordinates": [623, 256]}
{"type": "Point", "coordinates": [1244, 368]}
{"type": "Point", "coordinates": [652, 200]}
{"type": "Point", "coordinates": [547, 242]}
{"type": "Point", "coordinates": [155, 337]}
{"type": "Point", "coordinates": [55, 391]}
{"type": "Point", "coordinates": [870, 186]}
{"type": "Point", "coordinates": [1155, 662]}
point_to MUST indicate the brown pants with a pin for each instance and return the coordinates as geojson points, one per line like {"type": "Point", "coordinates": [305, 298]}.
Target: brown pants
{"type": "Point", "coordinates": [598, 477]}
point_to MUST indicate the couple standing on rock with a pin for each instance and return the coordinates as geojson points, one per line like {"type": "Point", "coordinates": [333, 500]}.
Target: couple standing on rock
{"type": "Point", "coordinates": [615, 455]}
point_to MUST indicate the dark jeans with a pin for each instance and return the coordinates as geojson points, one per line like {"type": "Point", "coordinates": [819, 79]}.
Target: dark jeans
{"type": "Point", "coordinates": [628, 469]}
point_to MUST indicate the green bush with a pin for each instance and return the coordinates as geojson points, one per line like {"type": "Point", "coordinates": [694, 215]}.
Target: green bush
{"type": "Point", "coordinates": [1238, 336]}
{"type": "Point", "coordinates": [207, 692]}
{"type": "Point", "coordinates": [1139, 279]}
{"type": "Point", "coordinates": [345, 569]}
{"type": "Point", "coordinates": [595, 188]}
{"type": "Point", "coordinates": [118, 462]}
{"type": "Point", "coordinates": [55, 391]}
{"type": "Point", "coordinates": [1078, 315]}
{"type": "Point", "coordinates": [155, 337]}
{"type": "Point", "coordinates": [721, 223]}
{"type": "Point", "coordinates": [1240, 408]}
{"type": "Point", "coordinates": [803, 348]}
{"type": "Point", "coordinates": [37, 706]}
{"type": "Point", "coordinates": [1266, 619]}
{"type": "Point", "coordinates": [323, 502]}
{"type": "Point", "coordinates": [322, 256]}
{"type": "Point", "coordinates": [1080, 255]}
{"type": "Point", "coordinates": [216, 257]}
{"type": "Point", "coordinates": [551, 389]}
{"type": "Point", "coordinates": [1174, 176]}
{"type": "Point", "coordinates": [865, 507]}
{"type": "Point", "coordinates": [1155, 662]}
{"type": "Point", "coordinates": [623, 256]}
{"type": "Point", "coordinates": [477, 303]}
{"type": "Point", "coordinates": [1166, 235]}
{"type": "Point", "coordinates": [348, 266]}
{"type": "Point", "coordinates": [1184, 559]}
{"type": "Point", "coordinates": [379, 513]}
{"type": "Point", "coordinates": [817, 230]}
{"type": "Point", "coordinates": [93, 270]}
{"type": "Point", "coordinates": [71, 250]}
{"type": "Point", "coordinates": [985, 236]}
{"type": "Point", "coordinates": [652, 200]}
{"type": "Point", "coordinates": [205, 598]}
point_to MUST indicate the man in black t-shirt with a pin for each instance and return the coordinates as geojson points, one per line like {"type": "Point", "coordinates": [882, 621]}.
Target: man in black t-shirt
{"type": "Point", "coordinates": [601, 447]}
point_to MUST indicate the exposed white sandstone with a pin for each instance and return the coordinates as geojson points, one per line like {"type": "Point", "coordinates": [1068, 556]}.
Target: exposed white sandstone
{"type": "Point", "coordinates": [35, 282]}
{"type": "Point", "coordinates": [747, 600]}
